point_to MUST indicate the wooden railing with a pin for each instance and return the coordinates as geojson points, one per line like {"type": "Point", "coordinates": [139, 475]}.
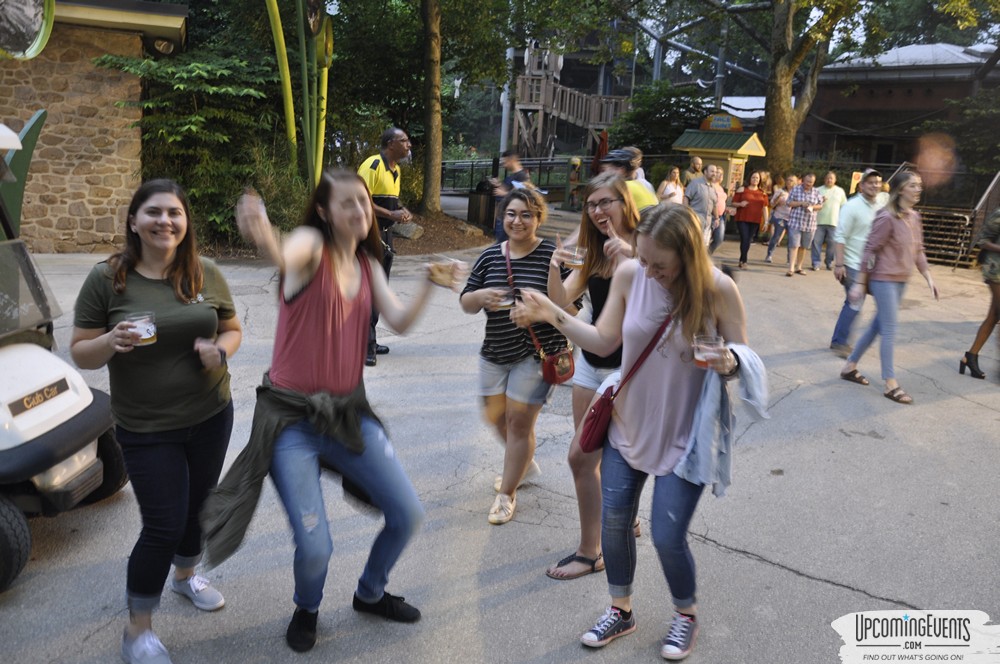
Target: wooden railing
{"type": "Point", "coordinates": [574, 106]}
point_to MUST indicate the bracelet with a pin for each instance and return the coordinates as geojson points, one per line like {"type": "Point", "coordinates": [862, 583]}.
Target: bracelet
{"type": "Point", "coordinates": [222, 355]}
{"type": "Point", "coordinates": [841, 265]}
{"type": "Point", "coordinates": [736, 366]}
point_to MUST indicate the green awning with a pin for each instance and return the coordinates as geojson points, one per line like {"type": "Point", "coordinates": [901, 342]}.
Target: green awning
{"type": "Point", "coordinates": [728, 142]}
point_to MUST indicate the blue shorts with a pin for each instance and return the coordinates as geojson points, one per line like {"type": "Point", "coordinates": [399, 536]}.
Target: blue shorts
{"type": "Point", "coordinates": [587, 376]}
{"type": "Point", "coordinates": [521, 381]}
{"type": "Point", "coordinates": [799, 238]}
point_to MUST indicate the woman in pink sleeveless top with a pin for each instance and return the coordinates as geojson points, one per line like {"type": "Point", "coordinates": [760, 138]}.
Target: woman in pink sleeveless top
{"type": "Point", "coordinates": [654, 413]}
{"type": "Point", "coordinates": [330, 278]}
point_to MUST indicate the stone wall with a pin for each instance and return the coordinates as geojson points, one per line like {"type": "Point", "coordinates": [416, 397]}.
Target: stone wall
{"type": "Point", "coordinates": [87, 162]}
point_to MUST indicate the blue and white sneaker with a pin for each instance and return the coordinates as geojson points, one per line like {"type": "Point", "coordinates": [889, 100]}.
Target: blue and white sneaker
{"type": "Point", "coordinates": [608, 628]}
{"type": "Point", "coordinates": [201, 593]}
{"type": "Point", "coordinates": [680, 640]}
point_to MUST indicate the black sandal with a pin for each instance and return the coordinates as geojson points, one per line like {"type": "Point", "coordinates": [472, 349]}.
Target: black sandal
{"type": "Point", "coordinates": [574, 558]}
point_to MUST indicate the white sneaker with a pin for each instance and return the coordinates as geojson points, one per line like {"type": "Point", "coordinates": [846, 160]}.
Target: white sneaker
{"type": "Point", "coordinates": [532, 472]}
{"type": "Point", "coordinates": [502, 510]}
{"type": "Point", "coordinates": [201, 593]}
{"type": "Point", "coordinates": [144, 649]}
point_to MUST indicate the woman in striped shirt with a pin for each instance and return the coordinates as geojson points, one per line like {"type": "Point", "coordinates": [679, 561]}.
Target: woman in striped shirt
{"type": "Point", "coordinates": [510, 377]}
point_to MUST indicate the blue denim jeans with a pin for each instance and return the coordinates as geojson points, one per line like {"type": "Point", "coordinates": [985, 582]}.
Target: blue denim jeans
{"type": "Point", "coordinates": [778, 228]}
{"type": "Point", "coordinates": [674, 502]}
{"type": "Point", "coordinates": [888, 295]}
{"type": "Point", "coordinates": [295, 470]}
{"type": "Point", "coordinates": [718, 235]}
{"type": "Point", "coordinates": [842, 330]}
{"type": "Point", "coordinates": [823, 234]}
{"type": "Point", "coordinates": [746, 230]}
{"type": "Point", "coordinates": [171, 473]}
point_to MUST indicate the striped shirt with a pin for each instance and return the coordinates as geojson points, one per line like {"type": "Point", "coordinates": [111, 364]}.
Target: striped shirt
{"type": "Point", "coordinates": [505, 343]}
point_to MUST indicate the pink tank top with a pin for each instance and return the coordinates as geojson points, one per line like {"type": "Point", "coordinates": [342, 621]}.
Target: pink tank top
{"type": "Point", "coordinates": [654, 412]}
{"type": "Point", "coordinates": [320, 342]}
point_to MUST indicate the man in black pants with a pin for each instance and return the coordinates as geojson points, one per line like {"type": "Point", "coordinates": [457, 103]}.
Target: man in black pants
{"type": "Point", "coordinates": [381, 173]}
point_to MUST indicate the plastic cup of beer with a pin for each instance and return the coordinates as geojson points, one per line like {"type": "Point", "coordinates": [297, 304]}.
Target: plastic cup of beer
{"type": "Point", "coordinates": [707, 347]}
{"type": "Point", "coordinates": [459, 271]}
{"type": "Point", "coordinates": [143, 322]}
{"type": "Point", "coordinates": [575, 262]}
{"type": "Point", "coordinates": [507, 301]}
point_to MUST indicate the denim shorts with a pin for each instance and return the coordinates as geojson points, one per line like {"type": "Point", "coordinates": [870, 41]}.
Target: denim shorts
{"type": "Point", "coordinates": [799, 238]}
{"type": "Point", "coordinates": [520, 381]}
{"type": "Point", "coordinates": [589, 377]}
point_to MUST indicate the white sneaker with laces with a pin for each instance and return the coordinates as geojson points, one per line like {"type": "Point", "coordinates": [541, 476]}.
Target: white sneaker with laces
{"type": "Point", "coordinates": [144, 649]}
{"type": "Point", "coordinates": [533, 471]}
{"type": "Point", "coordinates": [201, 593]}
{"type": "Point", "coordinates": [502, 510]}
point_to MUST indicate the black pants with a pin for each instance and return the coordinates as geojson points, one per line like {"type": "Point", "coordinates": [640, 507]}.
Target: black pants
{"type": "Point", "coordinates": [172, 473]}
{"type": "Point", "coordinates": [385, 230]}
{"type": "Point", "coordinates": [747, 230]}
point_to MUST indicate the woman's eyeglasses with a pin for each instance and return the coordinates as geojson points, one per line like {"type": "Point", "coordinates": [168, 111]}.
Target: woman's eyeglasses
{"type": "Point", "coordinates": [603, 204]}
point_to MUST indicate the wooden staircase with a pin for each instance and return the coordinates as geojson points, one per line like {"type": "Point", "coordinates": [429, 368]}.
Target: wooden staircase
{"type": "Point", "coordinates": [541, 101]}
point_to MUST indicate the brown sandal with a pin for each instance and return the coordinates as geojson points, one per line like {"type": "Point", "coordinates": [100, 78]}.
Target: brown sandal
{"type": "Point", "coordinates": [855, 376]}
{"type": "Point", "coordinates": [898, 395]}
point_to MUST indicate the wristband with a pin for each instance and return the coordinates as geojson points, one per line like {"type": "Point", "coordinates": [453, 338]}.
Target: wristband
{"type": "Point", "coordinates": [835, 265]}
{"type": "Point", "coordinates": [222, 355]}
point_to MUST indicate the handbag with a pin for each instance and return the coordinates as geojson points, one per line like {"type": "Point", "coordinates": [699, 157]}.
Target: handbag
{"type": "Point", "coordinates": [557, 367]}
{"type": "Point", "coordinates": [594, 430]}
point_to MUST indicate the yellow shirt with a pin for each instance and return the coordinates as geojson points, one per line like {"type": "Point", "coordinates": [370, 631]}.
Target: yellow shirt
{"type": "Point", "coordinates": [380, 180]}
{"type": "Point", "coordinates": [642, 197]}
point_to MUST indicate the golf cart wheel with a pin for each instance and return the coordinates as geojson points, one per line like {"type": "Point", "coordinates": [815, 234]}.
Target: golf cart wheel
{"type": "Point", "coordinates": [115, 474]}
{"type": "Point", "coordinates": [15, 542]}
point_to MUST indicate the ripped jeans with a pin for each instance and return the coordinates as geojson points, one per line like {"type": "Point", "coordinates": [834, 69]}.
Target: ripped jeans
{"type": "Point", "coordinates": [295, 470]}
{"type": "Point", "coordinates": [674, 502]}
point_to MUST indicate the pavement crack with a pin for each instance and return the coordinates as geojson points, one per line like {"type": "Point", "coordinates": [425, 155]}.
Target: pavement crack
{"type": "Point", "coordinates": [705, 539]}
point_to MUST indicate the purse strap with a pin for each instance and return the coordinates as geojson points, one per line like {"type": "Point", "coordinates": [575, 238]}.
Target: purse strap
{"type": "Point", "coordinates": [510, 282]}
{"type": "Point", "coordinates": [645, 353]}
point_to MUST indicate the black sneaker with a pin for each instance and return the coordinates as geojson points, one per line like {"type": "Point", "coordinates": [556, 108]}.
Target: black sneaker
{"type": "Point", "coordinates": [389, 607]}
{"type": "Point", "coordinates": [608, 628]}
{"type": "Point", "coordinates": [680, 640]}
{"type": "Point", "coordinates": [301, 632]}
{"type": "Point", "coordinates": [381, 350]}
{"type": "Point", "coordinates": [370, 359]}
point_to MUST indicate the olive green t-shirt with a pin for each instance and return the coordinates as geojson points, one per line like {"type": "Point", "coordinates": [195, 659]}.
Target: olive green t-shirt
{"type": "Point", "coordinates": [162, 386]}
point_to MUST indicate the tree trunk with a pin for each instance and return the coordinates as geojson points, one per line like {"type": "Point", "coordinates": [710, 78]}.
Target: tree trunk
{"type": "Point", "coordinates": [430, 13]}
{"type": "Point", "coordinates": [780, 126]}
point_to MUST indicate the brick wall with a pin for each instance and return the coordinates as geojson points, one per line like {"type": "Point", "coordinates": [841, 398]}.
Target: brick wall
{"type": "Point", "coordinates": [86, 164]}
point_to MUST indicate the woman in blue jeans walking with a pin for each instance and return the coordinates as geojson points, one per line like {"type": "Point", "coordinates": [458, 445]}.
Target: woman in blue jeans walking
{"type": "Point", "coordinates": [330, 278]}
{"type": "Point", "coordinates": [649, 433]}
{"type": "Point", "coordinates": [895, 246]}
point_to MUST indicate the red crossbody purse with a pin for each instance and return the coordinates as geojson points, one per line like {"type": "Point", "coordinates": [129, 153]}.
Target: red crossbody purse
{"type": "Point", "coordinates": [557, 367]}
{"type": "Point", "coordinates": [594, 430]}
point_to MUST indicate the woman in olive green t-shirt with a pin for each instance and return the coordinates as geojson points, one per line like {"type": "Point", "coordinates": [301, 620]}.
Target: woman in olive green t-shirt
{"type": "Point", "coordinates": [169, 392]}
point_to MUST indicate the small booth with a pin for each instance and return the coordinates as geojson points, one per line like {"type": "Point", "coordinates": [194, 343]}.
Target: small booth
{"type": "Point", "coordinates": [722, 142]}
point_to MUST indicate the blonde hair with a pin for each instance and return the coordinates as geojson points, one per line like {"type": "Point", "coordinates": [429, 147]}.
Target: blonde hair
{"type": "Point", "coordinates": [591, 238]}
{"type": "Point", "coordinates": [676, 227]}
{"type": "Point", "coordinates": [896, 184]}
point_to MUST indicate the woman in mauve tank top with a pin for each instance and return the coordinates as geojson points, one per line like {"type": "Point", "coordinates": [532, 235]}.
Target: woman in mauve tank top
{"type": "Point", "coordinates": [654, 413]}
{"type": "Point", "coordinates": [330, 278]}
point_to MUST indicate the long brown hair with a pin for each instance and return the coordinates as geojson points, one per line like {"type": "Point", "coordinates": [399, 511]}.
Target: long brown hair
{"type": "Point", "coordinates": [184, 273]}
{"type": "Point", "coordinates": [676, 227]}
{"type": "Point", "coordinates": [591, 238]}
{"type": "Point", "coordinates": [321, 199]}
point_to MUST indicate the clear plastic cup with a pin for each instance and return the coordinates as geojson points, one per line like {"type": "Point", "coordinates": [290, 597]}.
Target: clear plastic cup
{"type": "Point", "coordinates": [707, 347]}
{"type": "Point", "coordinates": [144, 322]}
{"type": "Point", "coordinates": [578, 258]}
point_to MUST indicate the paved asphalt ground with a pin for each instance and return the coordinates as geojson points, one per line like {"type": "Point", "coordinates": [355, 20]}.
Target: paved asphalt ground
{"type": "Point", "coordinates": [843, 501]}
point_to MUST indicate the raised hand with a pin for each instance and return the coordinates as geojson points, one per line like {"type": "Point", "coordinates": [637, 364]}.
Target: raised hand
{"type": "Point", "coordinates": [615, 245]}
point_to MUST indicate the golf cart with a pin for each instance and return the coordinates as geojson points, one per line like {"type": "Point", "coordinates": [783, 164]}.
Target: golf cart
{"type": "Point", "coordinates": [57, 443]}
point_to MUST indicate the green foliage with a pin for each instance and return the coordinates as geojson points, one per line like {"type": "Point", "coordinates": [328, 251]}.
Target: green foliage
{"type": "Point", "coordinates": [974, 131]}
{"type": "Point", "coordinates": [659, 114]}
{"type": "Point", "coordinates": [279, 182]}
{"type": "Point", "coordinates": [201, 113]}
